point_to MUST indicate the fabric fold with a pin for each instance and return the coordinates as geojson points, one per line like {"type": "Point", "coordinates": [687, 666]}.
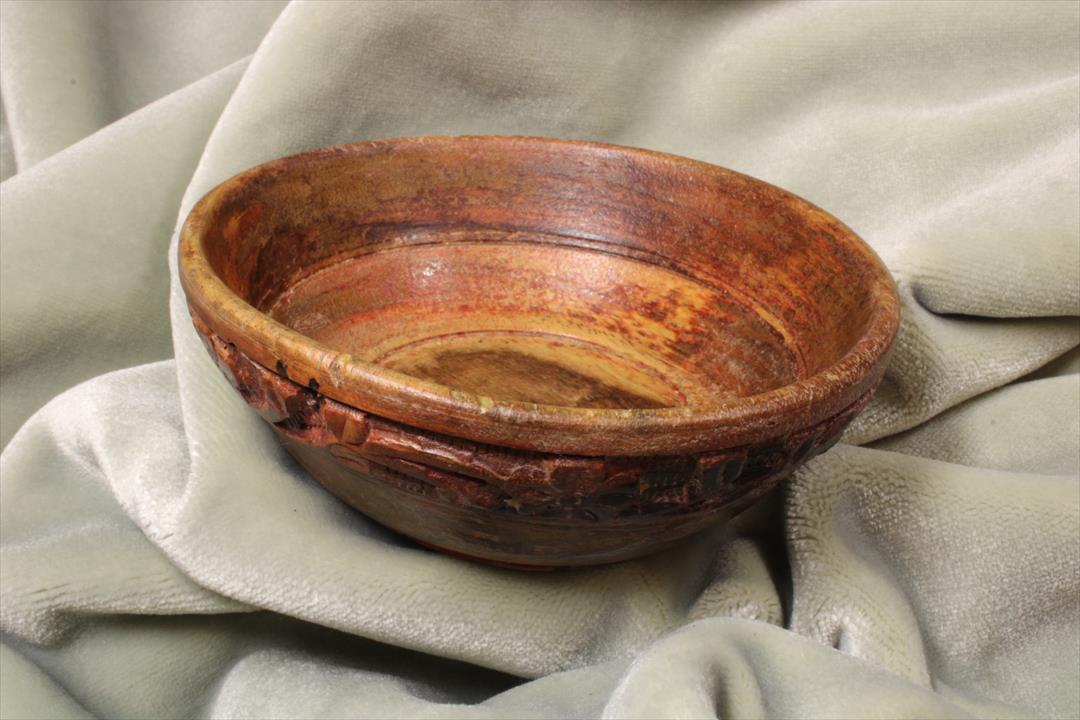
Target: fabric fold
{"type": "Point", "coordinates": [162, 556]}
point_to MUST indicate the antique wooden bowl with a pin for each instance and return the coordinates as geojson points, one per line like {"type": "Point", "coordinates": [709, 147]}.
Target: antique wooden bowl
{"type": "Point", "coordinates": [536, 352]}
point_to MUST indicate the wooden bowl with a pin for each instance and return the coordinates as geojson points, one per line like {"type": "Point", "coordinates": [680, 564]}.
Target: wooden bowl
{"type": "Point", "coordinates": [536, 352]}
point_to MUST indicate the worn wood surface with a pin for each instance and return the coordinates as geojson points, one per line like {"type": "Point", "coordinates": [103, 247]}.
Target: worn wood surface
{"type": "Point", "coordinates": [532, 351]}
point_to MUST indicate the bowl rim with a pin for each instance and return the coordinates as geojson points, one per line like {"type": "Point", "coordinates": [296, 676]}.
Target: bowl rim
{"type": "Point", "coordinates": [533, 426]}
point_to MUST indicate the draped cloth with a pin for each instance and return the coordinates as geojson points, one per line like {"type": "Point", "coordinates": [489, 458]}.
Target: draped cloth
{"type": "Point", "coordinates": [161, 556]}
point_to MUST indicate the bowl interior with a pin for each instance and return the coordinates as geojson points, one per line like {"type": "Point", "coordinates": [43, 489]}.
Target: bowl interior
{"type": "Point", "coordinates": [560, 274]}
{"type": "Point", "coordinates": [535, 318]}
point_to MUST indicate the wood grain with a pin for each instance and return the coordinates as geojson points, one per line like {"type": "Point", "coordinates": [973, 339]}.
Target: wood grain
{"type": "Point", "coordinates": [510, 348]}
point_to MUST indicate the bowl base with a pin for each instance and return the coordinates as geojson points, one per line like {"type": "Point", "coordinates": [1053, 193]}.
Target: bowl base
{"type": "Point", "coordinates": [498, 537]}
{"type": "Point", "coordinates": [484, 561]}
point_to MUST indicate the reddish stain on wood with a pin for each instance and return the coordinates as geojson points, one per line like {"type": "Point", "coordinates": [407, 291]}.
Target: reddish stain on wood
{"type": "Point", "coordinates": [536, 352]}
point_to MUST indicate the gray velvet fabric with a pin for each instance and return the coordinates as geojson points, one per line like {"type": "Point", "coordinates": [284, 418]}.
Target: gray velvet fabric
{"type": "Point", "coordinates": [160, 556]}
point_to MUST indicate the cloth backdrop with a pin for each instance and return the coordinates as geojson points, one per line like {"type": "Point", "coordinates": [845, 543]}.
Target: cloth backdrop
{"type": "Point", "coordinates": [162, 557]}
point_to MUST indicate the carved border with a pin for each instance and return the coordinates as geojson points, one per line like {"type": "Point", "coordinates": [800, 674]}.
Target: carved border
{"type": "Point", "coordinates": [505, 480]}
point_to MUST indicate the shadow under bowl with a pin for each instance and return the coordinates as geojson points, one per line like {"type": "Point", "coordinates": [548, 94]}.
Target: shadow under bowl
{"type": "Point", "coordinates": [536, 352]}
